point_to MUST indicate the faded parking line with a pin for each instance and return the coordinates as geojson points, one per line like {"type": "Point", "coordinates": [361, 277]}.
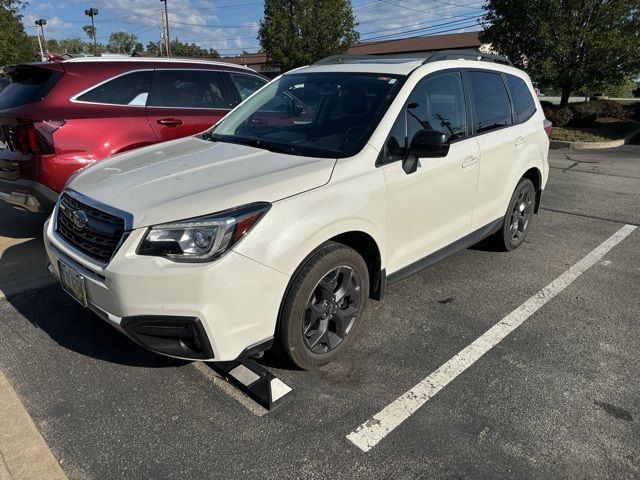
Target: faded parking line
{"type": "Point", "coordinates": [370, 433]}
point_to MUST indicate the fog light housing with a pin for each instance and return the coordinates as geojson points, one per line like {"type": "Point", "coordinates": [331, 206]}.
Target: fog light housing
{"type": "Point", "coordinates": [182, 337]}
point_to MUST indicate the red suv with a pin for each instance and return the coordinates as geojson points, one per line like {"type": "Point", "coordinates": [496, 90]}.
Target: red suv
{"type": "Point", "coordinates": [58, 117]}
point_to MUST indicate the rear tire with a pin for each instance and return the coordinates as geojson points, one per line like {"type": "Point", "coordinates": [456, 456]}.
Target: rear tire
{"type": "Point", "coordinates": [322, 311]}
{"type": "Point", "coordinates": [517, 220]}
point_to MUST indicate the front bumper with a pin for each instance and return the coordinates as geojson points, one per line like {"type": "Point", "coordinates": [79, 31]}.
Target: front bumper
{"type": "Point", "coordinates": [234, 299]}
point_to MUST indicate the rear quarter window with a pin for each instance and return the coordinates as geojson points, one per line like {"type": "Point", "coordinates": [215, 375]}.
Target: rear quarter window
{"type": "Point", "coordinates": [247, 84]}
{"type": "Point", "coordinates": [131, 89]}
{"type": "Point", "coordinates": [522, 98]}
{"type": "Point", "coordinates": [27, 84]}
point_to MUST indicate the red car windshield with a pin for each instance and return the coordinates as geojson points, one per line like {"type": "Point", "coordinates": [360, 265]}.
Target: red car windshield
{"type": "Point", "coordinates": [316, 114]}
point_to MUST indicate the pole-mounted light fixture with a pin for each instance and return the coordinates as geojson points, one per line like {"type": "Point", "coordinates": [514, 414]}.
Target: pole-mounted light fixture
{"type": "Point", "coordinates": [92, 12]}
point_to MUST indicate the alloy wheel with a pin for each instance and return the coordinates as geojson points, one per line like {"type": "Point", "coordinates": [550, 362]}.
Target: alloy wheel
{"type": "Point", "coordinates": [520, 216]}
{"type": "Point", "coordinates": [331, 310]}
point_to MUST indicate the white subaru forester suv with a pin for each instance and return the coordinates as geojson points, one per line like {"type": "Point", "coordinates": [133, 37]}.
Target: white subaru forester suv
{"type": "Point", "coordinates": [322, 188]}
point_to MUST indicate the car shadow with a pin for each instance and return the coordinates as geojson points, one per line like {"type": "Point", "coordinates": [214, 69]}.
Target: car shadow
{"type": "Point", "coordinates": [487, 245]}
{"type": "Point", "coordinates": [31, 294]}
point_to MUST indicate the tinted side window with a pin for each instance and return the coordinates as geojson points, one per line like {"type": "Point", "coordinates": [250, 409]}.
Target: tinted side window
{"type": "Point", "coordinates": [246, 84]}
{"type": "Point", "coordinates": [188, 89]}
{"type": "Point", "coordinates": [129, 89]}
{"type": "Point", "coordinates": [491, 101]}
{"type": "Point", "coordinates": [522, 98]}
{"type": "Point", "coordinates": [436, 103]}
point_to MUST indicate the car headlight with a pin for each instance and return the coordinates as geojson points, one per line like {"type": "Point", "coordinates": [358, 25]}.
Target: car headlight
{"type": "Point", "coordinates": [201, 239]}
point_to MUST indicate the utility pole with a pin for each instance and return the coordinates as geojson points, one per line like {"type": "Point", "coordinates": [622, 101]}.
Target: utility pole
{"type": "Point", "coordinates": [167, 37]}
{"type": "Point", "coordinates": [41, 22]}
{"type": "Point", "coordinates": [92, 12]}
{"type": "Point", "coordinates": [163, 41]}
{"type": "Point", "coordinates": [42, 57]}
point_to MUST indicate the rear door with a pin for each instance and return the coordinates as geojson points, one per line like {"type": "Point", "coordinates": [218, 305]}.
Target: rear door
{"type": "Point", "coordinates": [499, 144]}
{"type": "Point", "coordinates": [184, 102]}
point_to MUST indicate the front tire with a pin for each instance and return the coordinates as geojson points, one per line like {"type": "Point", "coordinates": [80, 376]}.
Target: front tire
{"type": "Point", "coordinates": [322, 311]}
{"type": "Point", "coordinates": [515, 225]}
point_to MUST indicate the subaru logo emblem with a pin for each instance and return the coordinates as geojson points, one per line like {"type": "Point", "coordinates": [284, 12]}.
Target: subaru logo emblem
{"type": "Point", "coordinates": [79, 218]}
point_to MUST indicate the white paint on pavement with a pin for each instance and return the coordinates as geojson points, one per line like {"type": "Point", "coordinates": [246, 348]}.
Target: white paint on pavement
{"type": "Point", "coordinates": [367, 435]}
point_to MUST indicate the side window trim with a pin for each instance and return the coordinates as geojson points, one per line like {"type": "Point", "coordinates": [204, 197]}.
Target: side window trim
{"type": "Point", "coordinates": [74, 99]}
{"type": "Point", "coordinates": [467, 81]}
{"type": "Point", "coordinates": [514, 114]}
{"type": "Point", "coordinates": [381, 158]}
{"type": "Point", "coordinates": [223, 83]}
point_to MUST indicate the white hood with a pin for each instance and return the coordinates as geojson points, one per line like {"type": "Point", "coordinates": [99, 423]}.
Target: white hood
{"type": "Point", "coordinates": [191, 177]}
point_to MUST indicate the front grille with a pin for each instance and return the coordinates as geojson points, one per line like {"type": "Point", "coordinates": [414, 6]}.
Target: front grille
{"type": "Point", "coordinates": [99, 238]}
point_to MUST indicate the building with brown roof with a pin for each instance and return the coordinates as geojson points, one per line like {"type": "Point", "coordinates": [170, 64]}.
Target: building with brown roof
{"type": "Point", "coordinates": [403, 46]}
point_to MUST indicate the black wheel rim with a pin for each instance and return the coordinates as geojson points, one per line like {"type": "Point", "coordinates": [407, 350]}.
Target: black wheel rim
{"type": "Point", "coordinates": [331, 310]}
{"type": "Point", "coordinates": [520, 216]}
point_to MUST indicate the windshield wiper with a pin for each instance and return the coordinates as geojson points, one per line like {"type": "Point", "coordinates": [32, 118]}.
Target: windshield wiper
{"type": "Point", "coordinates": [272, 147]}
{"type": "Point", "coordinates": [254, 142]}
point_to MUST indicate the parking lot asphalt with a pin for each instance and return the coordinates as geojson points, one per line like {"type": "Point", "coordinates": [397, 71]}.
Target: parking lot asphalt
{"type": "Point", "coordinates": [557, 398]}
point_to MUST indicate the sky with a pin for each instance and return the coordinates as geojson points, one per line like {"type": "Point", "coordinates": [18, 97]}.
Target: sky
{"type": "Point", "coordinates": [231, 27]}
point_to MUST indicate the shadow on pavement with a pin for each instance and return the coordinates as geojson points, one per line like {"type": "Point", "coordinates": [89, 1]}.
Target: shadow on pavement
{"type": "Point", "coordinates": [35, 295]}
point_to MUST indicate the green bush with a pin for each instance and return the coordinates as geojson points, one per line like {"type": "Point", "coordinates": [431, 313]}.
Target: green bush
{"type": "Point", "coordinates": [632, 111]}
{"type": "Point", "coordinates": [585, 114]}
{"type": "Point", "coordinates": [559, 116]}
{"type": "Point", "coordinates": [601, 109]}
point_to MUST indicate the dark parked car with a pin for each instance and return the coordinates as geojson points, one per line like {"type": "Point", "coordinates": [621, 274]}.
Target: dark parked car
{"type": "Point", "coordinates": [58, 117]}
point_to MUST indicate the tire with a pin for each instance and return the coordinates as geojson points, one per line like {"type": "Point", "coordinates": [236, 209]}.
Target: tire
{"type": "Point", "coordinates": [322, 310]}
{"type": "Point", "coordinates": [517, 220]}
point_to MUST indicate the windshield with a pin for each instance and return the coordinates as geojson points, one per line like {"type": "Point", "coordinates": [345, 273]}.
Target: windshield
{"type": "Point", "coordinates": [316, 114]}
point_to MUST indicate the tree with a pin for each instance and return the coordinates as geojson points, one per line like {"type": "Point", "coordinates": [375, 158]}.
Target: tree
{"type": "Point", "coordinates": [298, 32]}
{"type": "Point", "coordinates": [122, 42]}
{"type": "Point", "coordinates": [90, 31]}
{"type": "Point", "coordinates": [571, 44]}
{"type": "Point", "coordinates": [180, 49]}
{"type": "Point", "coordinates": [73, 46]}
{"type": "Point", "coordinates": [152, 47]}
{"type": "Point", "coordinates": [53, 45]}
{"type": "Point", "coordinates": [15, 46]}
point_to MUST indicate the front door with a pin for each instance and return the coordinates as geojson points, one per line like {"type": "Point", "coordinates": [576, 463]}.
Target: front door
{"type": "Point", "coordinates": [431, 207]}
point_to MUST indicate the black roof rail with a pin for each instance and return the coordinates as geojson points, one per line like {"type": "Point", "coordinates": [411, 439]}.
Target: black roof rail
{"type": "Point", "coordinates": [467, 55]}
{"type": "Point", "coordinates": [424, 57]}
{"type": "Point", "coordinates": [352, 58]}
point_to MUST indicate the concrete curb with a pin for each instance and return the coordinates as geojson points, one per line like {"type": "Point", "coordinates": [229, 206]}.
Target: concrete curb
{"type": "Point", "coordinates": [556, 144]}
{"type": "Point", "coordinates": [24, 455]}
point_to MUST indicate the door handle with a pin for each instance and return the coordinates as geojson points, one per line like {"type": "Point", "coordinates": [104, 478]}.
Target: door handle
{"type": "Point", "coordinates": [520, 141]}
{"type": "Point", "coordinates": [169, 122]}
{"type": "Point", "coordinates": [469, 162]}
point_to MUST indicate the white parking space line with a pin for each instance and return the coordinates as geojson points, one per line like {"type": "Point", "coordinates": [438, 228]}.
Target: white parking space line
{"type": "Point", "coordinates": [367, 435]}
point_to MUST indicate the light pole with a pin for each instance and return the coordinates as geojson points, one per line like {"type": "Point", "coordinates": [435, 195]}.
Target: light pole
{"type": "Point", "coordinates": [166, 19]}
{"type": "Point", "coordinates": [41, 22]}
{"type": "Point", "coordinates": [42, 57]}
{"type": "Point", "coordinates": [92, 12]}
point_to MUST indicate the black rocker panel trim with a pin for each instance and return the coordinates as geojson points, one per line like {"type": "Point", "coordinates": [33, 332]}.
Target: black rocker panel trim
{"type": "Point", "coordinates": [444, 252]}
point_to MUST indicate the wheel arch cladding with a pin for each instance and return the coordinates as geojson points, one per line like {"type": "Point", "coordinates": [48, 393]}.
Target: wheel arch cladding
{"type": "Point", "coordinates": [535, 176]}
{"type": "Point", "coordinates": [366, 246]}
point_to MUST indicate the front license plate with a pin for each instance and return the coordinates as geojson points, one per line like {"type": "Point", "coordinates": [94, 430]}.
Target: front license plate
{"type": "Point", "coordinates": [73, 283]}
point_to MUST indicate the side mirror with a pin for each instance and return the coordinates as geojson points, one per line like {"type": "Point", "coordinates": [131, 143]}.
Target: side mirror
{"type": "Point", "coordinates": [429, 143]}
